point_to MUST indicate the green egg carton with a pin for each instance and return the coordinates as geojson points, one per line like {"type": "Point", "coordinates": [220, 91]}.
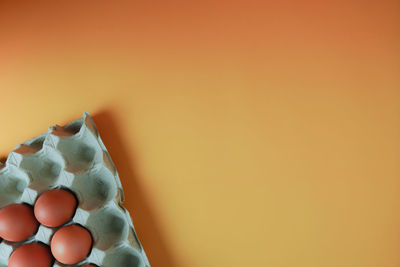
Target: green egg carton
{"type": "Point", "coordinates": [73, 157]}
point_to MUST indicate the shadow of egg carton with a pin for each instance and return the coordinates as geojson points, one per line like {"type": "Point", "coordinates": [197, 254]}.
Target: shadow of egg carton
{"type": "Point", "coordinates": [74, 157]}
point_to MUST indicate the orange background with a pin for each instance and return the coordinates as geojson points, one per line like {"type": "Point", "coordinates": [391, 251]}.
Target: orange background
{"type": "Point", "coordinates": [247, 133]}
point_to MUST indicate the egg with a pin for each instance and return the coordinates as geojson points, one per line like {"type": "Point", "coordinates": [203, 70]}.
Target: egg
{"type": "Point", "coordinates": [17, 222]}
{"type": "Point", "coordinates": [55, 207]}
{"type": "Point", "coordinates": [71, 244]}
{"type": "Point", "coordinates": [31, 255]}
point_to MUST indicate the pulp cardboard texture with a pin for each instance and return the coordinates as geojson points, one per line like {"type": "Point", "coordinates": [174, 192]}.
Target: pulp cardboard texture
{"type": "Point", "coordinates": [73, 157]}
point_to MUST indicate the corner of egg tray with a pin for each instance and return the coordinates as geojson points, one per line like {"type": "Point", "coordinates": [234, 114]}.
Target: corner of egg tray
{"type": "Point", "coordinates": [74, 157]}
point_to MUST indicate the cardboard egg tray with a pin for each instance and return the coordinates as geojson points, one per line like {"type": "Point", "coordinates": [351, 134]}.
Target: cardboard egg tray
{"type": "Point", "coordinates": [73, 157]}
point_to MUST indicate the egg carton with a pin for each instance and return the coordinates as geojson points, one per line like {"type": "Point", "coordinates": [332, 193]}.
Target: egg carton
{"type": "Point", "coordinates": [74, 157]}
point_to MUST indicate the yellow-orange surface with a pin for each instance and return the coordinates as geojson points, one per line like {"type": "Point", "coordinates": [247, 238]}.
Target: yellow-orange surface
{"type": "Point", "coordinates": [247, 133]}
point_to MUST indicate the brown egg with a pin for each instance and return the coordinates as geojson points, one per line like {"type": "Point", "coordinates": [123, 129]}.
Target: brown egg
{"type": "Point", "coordinates": [55, 207]}
{"type": "Point", "coordinates": [31, 255]}
{"type": "Point", "coordinates": [17, 222]}
{"type": "Point", "coordinates": [71, 244]}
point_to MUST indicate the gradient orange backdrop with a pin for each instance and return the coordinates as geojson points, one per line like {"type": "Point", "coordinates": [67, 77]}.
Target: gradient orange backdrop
{"type": "Point", "coordinates": [247, 133]}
